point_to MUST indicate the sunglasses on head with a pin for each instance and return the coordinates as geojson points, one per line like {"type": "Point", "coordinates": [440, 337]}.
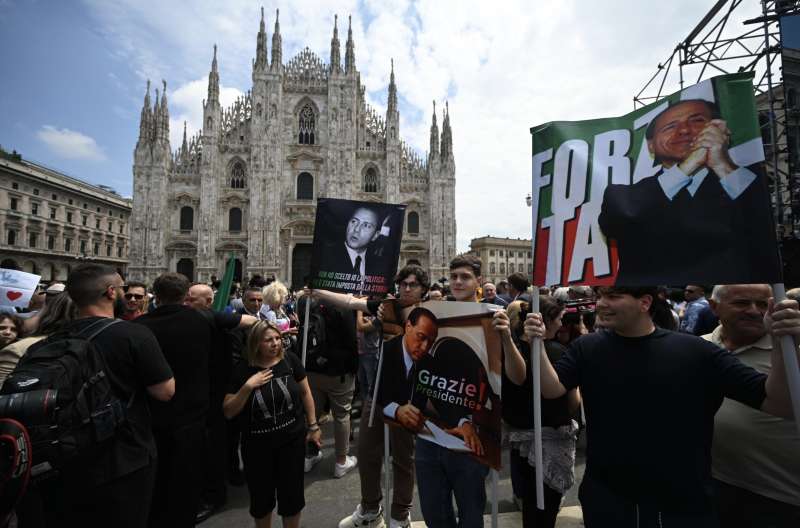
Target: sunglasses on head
{"type": "Point", "coordinates": [137, 296]}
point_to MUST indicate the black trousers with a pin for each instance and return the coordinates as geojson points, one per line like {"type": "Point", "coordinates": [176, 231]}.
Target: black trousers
{"type": "Point", "coordinates": [179, 477]}
{"type": "Point", "coordinates": [741, 508]}
{"type": "Point", "coordinates": [123, 502]}
{"type": "Point", "coordinates": [216, 461]}
{"type": "Point", "coordinates": [533, 517]}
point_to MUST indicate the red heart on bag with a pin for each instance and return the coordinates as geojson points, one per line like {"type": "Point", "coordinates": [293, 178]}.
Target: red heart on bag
{"type": "Point", "coordinates": [13, 295]}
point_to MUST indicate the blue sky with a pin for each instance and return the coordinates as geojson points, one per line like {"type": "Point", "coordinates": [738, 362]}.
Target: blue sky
{"type": "Point", "coordinates": [75, 73]}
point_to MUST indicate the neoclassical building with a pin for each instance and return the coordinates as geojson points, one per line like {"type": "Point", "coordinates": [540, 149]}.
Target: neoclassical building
{"type": "Point", "coordinates": [248, 182]}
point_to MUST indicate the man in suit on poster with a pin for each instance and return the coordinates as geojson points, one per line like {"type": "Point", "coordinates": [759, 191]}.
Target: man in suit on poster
{"type": "Point", "coordinates": [701, 202]}
{"type": "Point", "coordinates": [355, 254]}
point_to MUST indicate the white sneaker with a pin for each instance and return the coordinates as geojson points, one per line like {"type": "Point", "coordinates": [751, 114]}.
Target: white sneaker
{"type": "Point", "coordinates": [359, 519]}
{"type": "Point", "coordinates": [342, 469]}
{"type": "Point", "coordinates": [310, 462]}
{"type": "Point", "coordinates": [405, 523]}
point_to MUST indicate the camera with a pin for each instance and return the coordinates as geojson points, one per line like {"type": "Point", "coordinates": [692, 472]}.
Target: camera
{"type": "Point", "coordinates": [30, 408]}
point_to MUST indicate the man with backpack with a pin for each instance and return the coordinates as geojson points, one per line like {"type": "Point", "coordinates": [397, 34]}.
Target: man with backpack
{"type": "Point", "coordinates": [110, 479]}
{"type": "Point", "coordinates": [332, 362]}
{"type": "Point", "coordinates": [187, 338]}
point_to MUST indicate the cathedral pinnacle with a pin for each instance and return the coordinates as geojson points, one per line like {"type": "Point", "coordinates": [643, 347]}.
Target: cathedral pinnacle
{"type": "Point", "coordinates": [213, 80]}
{"type": "Point", "coordinates": [447, 135]}
{"type": "Point", "coordinates": [163, 122]}
{"type": "Point", "coordinates": [185, 144]}
{"type": "Point", "coordinates": [144, 121]}
{"type": "Point", "coordinates": [392, 103]}
{"type": "Point", "coordinates": [434, 148]}
{"type": "Point", "coordinates": [350, 52]}
{"type": "Point", "coordinates": [336, 60]}
{"type": "Point", "coordinates": [277, 55]}
{"type": "Point", "coordinates": [261, 46]}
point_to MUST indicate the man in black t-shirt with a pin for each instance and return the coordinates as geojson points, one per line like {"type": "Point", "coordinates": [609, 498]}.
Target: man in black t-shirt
{"type": "Point", "coordinates": [115, 487]}
{"type": "Point", "coordinates": [187, 339]}
{"type": "Point", "coordinates": [650, 396]}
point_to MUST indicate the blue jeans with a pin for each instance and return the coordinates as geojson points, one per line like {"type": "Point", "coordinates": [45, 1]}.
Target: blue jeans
{"type": "Point", "coordinates": [441, 474]}
{"type": "Point", "coordinates": [367, 371]}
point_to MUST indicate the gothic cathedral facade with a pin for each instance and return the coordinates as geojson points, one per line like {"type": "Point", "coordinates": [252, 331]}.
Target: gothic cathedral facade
{"type": "Point", "coordinates": [246, 185]}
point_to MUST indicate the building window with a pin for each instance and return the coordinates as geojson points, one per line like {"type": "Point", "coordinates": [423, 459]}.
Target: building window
{"type": "Point", "coordinates": [306, 136]}
{"type": "Point", "coordinates": [14, 204]}
{"type": "Point", "coordinates": [413, 223]}
{"type": "Point", "coordinates": [187, 218]}
{"type": "Point", "coordinates": [96, 248]}
{"type": "Point", "coordinates": [55, 197]}
{"type": "Point", "coordinates": [85, 219]}
{"type": "Point", "coordinates": [511, 268]}
{"type": "Point", "coordinates": [492, 267]}
{"type": "Point", "coordinates": [97, 223]}
{"type": "Point", "coordinates": [491, 252]}
{"type": "Point", "coordinates": [35, 209]}
{"type": "Point", "coordinates": [121, 227]}
{"type": "Point", "coordinates": [237, 176]}
{"type": "Point", "coordinates": [12, 237]}
{"type": "Point", "coordinates": [70, 201]}
{"type": "Point", "coordinates": [110, 225]}
{"type": "Point", "coordinates": [15, 186]}
{"type": "Point", "coordinates": [51, 242]}
{"type": "Point", "coordinates": [530, 268]}
{"type": "Point", "coordinates": [85, 206]}
{"type": "Point", "coordinates": [119, 252]}
{"type": "Point", "coordinates": [529, 254]}
{"type": "Point", "coordinates": [503, 268]}
{"type": "Point", "coordinates": [235, 220]}
{"type": "Point", "coordinates": [52, 213]}
{"type": "Point", "coordinates": [68, 245]}
{"type": "Point", "coordinates": [305, 186]}
{"type": "Point", "coordinates": [33, 238]}
{"type": "Point", "coordinates": [108, 251]}
{"type": "Point", "coordinates": [371, 180]}
{"type": "Point", "coordinates": [98, 209]}
{"type": "Point", "coordinates": [83, 247]}
{"type": "Point", "coordinates": [69, 217]}
{"type": "Point", "coordinates": [36, 192]}
{"type": "Point", "coordinates": [501, 252]}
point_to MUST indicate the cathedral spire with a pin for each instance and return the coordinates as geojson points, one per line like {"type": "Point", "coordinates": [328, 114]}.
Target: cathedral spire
{"type": "Point", "coordinates": [350, 52]}
{"type": "Point", "coordinates": [261, 46]}
{"type": "Point", "coordinates": [392, 103]}
{"type": "Point", "coordinates": [164, 123]}
{"type": "Point", "coordinates": [144, 120]}
{"type": "Point", "coordinates": [277, 55]}
{"type": "Point", "coordinates": [434, 148]}
{"type": "Point", "coordinates": [184, 145]}
{"type": "Point", "coordinates": [447, 135]}
{"type": "Point", "coordinates": [336, 59]}
{"type": "Point", "coordinates": [213, 80]}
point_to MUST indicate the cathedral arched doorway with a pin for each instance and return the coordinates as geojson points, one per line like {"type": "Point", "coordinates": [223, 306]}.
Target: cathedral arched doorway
{"type": "Point", "coordinates": [9, 264]}
{"type": "Point", "coordinates": [186, 268]}
{"type": "Point", "coordinates": [301, 265]}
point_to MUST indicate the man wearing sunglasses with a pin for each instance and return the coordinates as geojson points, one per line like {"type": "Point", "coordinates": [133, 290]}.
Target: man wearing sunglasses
{"type": "Point", "coordinates": [135, 299]}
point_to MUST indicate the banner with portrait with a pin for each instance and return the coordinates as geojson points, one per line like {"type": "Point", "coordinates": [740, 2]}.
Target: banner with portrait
{"type": "Point", "coordinates": [356, 246]}
{"type": "Point", "coordinates": [441, 378]}
{"type": "Point", "coordinates": [672, 193]}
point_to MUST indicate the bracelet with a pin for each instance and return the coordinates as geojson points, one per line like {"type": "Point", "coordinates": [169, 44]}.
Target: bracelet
{"type": "Point", "coordinates": [313, 429]}
{"type": "Point", "coordinates": [312, 424]}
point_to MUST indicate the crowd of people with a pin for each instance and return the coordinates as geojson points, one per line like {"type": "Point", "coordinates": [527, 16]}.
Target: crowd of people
{"type": "Point", "coordinates": [680, 392]}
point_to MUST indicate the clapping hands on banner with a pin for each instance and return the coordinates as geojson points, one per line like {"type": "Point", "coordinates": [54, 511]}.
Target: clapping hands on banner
{"type": "Point", "coordinates": [710, 149]}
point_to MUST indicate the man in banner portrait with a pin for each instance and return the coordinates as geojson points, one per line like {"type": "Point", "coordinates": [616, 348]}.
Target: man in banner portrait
{"type": "Point", "coordinates": [701, 202]}
{"type": "Point", "coordinates": [672, 193]}
{"type": "Point", "coordinates": [356, 245]}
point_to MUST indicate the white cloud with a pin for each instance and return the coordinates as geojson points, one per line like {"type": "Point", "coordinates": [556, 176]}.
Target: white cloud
{"type": "Point", "coordinates": [70, 144]}
{"type": "Point", "coordinates": [186, 104]}
{"type": "Point", "coordinates": [504, 66]}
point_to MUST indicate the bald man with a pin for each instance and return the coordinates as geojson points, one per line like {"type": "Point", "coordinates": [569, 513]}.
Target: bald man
{"type": "Point", "coordinates": [200, 297]}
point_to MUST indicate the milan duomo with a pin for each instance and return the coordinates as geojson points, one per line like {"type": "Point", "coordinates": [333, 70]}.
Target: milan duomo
{"type": "Point", "coordinates": [247, 183]}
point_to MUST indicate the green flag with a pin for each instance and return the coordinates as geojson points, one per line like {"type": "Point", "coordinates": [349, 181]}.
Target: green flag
{"type": "Point", "coordinates": [221, 298]}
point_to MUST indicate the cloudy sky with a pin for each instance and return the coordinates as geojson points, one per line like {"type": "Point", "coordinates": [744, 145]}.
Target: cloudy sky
{"type": "Point", "coordinates": [75, 73]}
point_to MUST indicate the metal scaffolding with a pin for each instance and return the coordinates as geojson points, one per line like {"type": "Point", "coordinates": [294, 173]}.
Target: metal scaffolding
{"type": "Point", "coordinates": [718, 45]}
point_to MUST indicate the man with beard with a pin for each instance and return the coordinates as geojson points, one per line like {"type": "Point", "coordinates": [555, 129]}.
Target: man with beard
{"type": "Point", "coordinates": [754, 457]}
{"type": "Point", "coordinates": [678, 381]}
{"type": "Point", "coordinates": [135, 299]}
{"type": "Point", "coordinates": [114, 487]}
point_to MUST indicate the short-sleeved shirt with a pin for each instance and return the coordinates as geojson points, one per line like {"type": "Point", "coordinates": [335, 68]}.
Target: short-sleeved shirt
{"type": "Point", "coordinates": [650, 403]}
{"type": "Point", "coordinates": [134, 362]}
{"type": "Point", "coordinates": [273, 414]}
{"type": "Point", "coordinates": [188, 340]}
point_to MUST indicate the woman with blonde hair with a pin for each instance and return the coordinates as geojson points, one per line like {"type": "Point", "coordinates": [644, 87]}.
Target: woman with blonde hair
{"type": "Point", "coordinates": [270, 397]}
{"type": "Point", "coordinates": [275, 295]}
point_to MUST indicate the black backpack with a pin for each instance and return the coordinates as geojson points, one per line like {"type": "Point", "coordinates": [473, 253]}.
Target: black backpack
{"type": "Point", "coordinates": [61, 392]}
{"type": "Point", "coordinates": [317, 350]}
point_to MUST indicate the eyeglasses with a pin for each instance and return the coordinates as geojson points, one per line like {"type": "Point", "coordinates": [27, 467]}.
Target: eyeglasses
{"type": "Point", "coordinates": [137, 296]}
{"type": "Point", "coordinates": [409, 285]}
